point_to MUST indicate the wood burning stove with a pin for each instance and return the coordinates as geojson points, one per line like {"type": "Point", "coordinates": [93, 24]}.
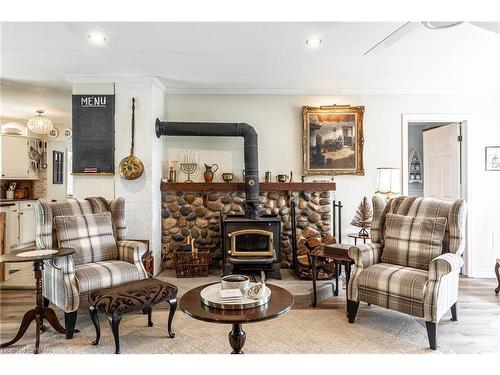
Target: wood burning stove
{"type": "Point", "coordinates": [251, 245]}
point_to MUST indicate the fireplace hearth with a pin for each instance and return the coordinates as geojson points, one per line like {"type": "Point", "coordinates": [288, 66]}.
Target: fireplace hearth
{"type": "Point", "coordinates": [251, 245]}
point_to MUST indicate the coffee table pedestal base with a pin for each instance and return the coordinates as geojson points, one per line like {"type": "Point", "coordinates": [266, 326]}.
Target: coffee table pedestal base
{"type": "Point", "coordinates": [237, 338]}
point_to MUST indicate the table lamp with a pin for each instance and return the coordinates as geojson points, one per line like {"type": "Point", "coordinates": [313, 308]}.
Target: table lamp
{"type": "Point", "coordinates": [388, 182]}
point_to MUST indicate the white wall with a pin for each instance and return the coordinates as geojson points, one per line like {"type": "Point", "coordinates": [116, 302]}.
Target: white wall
{"type": "Point", "coordinates": [142, 196]}
{"type": "Point", "coordinates": [278, 121]}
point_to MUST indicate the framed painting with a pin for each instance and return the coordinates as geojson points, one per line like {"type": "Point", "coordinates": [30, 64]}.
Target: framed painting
{"type": "Point", "coordinates": [492, 158]}
{"type": "Point", "coordinates": [332, 140]}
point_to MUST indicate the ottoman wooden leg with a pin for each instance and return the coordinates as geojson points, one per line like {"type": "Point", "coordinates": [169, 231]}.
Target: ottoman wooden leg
{"type": "Point", "coordinates": [497, 272]}
{"type": "Point", "coordinates": [115, 323]}
{"type": "Point", "coordinates": [173, 307]}
{"type": "Point", "coordinates": [148, 310]}
{"type": "Point", "coordinates": [95, 320]}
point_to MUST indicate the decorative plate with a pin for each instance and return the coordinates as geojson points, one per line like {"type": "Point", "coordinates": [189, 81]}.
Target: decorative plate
{"type": "Point", "coordinates": [36, 253]}
{"type": "Point", "coordinates": [53, 133]}
{"type": "Point", "coordinates": [68, 132]}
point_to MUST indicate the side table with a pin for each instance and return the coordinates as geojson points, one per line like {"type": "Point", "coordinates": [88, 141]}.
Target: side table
{"type": "Point", "coordinates": [358, 236]}
{"type": "Point", "coordinates": [280, 303]}
{"type": "Point", "coordinates": [336, 252]}
{"type": "Point", "coordinates": [40, 312]}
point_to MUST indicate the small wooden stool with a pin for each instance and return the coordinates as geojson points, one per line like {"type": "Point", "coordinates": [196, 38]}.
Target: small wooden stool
{"type": "Point", "coordinates": [117, 301]}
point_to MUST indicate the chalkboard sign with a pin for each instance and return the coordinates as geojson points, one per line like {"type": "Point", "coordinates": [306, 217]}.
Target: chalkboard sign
{"type": "Point", "coordinates": [93, 133]}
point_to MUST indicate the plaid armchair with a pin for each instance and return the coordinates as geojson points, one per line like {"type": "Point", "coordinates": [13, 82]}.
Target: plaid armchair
{"type": "Point", "coordinates": [96, 228]}
{"type": "Point", "coordinates": [414, 260]}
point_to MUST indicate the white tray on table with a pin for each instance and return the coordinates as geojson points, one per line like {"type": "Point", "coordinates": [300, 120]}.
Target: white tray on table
{"type": "Point", "coordinates": [210, 296]}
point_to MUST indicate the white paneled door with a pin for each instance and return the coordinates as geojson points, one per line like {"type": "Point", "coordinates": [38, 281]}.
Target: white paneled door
{"type": "Point", "coordinates": [442, 162]}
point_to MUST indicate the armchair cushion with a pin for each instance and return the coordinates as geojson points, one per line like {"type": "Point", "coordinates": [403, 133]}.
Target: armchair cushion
{"type": "Point", "coordinates": [90, 235]}
{"type": "Point", "coordinates": [94, 276]}
{"type": "Point", "coordinates": [395, 287]}
{"type": "Point", "coordinates": [390, 279]}
{"type": "Point", "coordinates": [413, 241]}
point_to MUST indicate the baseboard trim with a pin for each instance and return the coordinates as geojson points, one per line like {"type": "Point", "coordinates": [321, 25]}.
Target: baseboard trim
{"type": "Point", "coordinates": [483, 275]}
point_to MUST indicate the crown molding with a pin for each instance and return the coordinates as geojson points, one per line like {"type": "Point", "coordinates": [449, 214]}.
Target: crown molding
{"type": "Point", "coordinates": [344, 91]}
{"type": "Point", "coordinates": [162, 86]}
{"type": "Point", "coordinates": [118, 78]}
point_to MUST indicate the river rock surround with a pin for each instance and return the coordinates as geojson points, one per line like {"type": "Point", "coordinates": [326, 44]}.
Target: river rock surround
{"type": "Point", "coordinates": [198, 214]}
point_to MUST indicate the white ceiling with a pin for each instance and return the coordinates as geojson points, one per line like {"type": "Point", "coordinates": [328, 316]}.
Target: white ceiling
{"type": "Point", "coordinates": [252, 57]}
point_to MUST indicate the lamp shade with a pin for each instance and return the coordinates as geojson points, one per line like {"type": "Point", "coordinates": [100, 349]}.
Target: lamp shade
{"type": "Point", "coordinates": [388, 181]}
{"type": "Point", "coordinates": [40, 124]}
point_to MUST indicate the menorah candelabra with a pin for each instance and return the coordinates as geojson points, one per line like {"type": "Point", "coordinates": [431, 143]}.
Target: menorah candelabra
{"type": "Point", "coordinates": [189, 163]}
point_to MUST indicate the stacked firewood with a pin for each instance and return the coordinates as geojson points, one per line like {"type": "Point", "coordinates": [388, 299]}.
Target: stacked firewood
{"type": "Point", "coordinates": [308, 240]}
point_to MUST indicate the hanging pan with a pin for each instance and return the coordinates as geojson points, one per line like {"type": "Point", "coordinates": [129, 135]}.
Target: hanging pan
{"type": "Point", "coordinates": [131, 167]}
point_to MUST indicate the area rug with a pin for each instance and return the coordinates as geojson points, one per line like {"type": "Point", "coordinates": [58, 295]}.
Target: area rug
{"type": "Point", "coordinates": [376, 330]}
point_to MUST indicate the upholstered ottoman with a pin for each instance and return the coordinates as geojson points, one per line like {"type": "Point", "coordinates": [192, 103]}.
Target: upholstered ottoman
{"type": "Point", "coordinates": [117, 301]}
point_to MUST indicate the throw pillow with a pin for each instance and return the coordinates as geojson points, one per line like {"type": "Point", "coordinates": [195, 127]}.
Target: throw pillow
{"type": "Point", "coordinates": [90, 235]}
{"type": "Point", "coordinates": [413, 241]}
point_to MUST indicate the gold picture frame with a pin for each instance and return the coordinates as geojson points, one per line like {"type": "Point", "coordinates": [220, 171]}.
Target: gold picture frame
{"type": "Point", "coordinates": [332, 140]}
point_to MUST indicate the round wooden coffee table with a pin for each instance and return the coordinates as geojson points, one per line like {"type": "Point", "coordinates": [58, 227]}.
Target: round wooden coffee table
{"type": "Point", "coordinates": [281, 302]}
{"type": "Point", "coordinates": [40, 312]}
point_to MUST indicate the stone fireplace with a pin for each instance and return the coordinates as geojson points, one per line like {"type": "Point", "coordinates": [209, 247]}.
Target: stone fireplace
{"type": "Point", "coordinates": [196, 209]}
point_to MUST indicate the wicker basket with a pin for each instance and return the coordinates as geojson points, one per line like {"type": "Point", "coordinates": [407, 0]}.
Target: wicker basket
{"type": "Point", "coordinates": [191, 264]}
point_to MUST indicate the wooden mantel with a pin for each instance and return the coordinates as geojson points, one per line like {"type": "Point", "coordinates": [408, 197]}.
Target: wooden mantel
{"type": "Point", "coordinates": [237, 186]}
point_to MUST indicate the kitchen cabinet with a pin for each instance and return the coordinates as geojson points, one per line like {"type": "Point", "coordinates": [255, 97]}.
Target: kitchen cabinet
{"type": "Point", "coordinates": [20, 223]}
{"type": "Point", "coordinates": [15, 160]}
{"type": "Point", "coordinates": [11, 224]}
{"type": "Point", "coordinates": [26, 222]}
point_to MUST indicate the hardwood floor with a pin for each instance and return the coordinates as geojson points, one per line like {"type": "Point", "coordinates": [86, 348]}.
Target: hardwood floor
{"type": "Point", "coordinates": [477, 329]}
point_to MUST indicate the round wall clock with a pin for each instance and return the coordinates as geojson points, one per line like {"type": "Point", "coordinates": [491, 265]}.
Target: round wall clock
{"type": "Point", "coordinates": [53, 133]}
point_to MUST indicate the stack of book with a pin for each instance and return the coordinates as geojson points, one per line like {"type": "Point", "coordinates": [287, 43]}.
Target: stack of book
{"type": "Point", "coordinates": [231, 295]}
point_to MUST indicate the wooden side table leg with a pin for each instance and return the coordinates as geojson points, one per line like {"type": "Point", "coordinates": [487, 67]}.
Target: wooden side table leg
{"type": "Point", "coordinates": [338, 267]}
{"type": "Point", "coordinates": [237, 338]}
{"type": "Point", "coordinates": [38, 321]}
{"type": "Point", "coordinates": [313, 269]}
{"type": "Point", "coordinates": [27, 319]}
{"type": "Point", "coordinates": [497, 272]}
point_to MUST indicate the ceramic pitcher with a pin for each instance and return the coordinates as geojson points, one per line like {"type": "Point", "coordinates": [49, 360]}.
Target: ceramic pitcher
{"type": "Point", "coordinates": [208, 175]}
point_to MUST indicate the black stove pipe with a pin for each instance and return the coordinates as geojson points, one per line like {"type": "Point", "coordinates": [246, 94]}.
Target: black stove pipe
{"type": "Point", "coordinates": [214, 129]}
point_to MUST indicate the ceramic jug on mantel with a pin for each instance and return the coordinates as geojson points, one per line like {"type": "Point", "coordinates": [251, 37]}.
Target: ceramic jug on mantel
{"type": "Point", "coordinates": [208, 175]}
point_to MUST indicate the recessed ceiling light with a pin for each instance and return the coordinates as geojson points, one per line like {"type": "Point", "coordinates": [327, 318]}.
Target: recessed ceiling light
{"type": "Point", "coordinates": [97, 38]}
{"type": "Point", "coordinates": [313, 41]}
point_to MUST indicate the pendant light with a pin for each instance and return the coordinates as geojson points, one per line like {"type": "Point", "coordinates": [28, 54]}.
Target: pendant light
{"type": "Point", "coordinates": [40, 124]}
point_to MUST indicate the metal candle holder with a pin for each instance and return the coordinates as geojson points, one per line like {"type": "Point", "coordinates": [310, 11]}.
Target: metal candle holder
{"type": "Point", "coordinates": [188, 163]}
